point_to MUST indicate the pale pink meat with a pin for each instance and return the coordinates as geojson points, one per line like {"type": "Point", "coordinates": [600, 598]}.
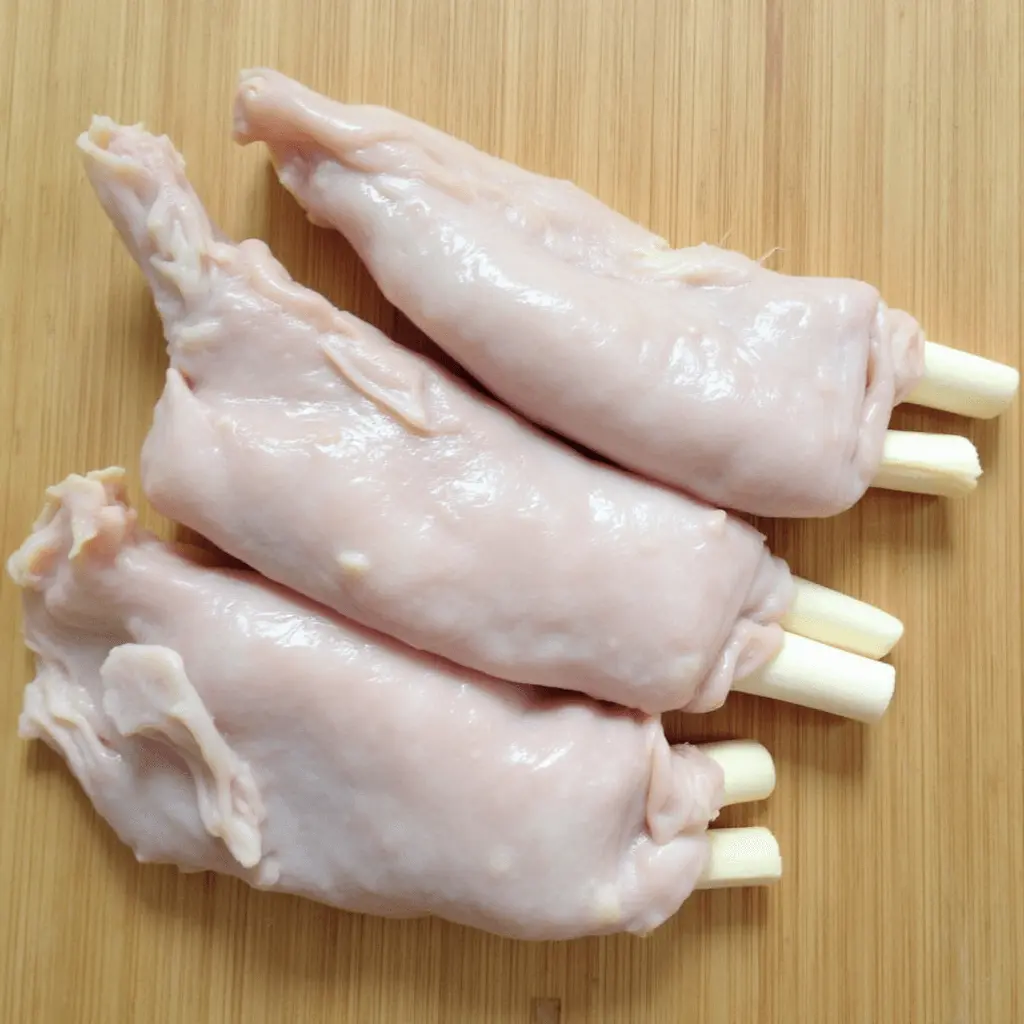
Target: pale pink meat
{"type": "Point", "coordinates": [753, 390]}
{"type": "Point", "coordinates": [220, 723]}
{"type": "Point", "coordinates": [313, 448]}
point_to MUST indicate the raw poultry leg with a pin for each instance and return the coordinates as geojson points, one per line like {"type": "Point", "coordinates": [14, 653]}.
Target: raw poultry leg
{"type": "Point", "coordinates": [218, 722]}
{"type": "Point", "coordinates": [322, 454]}
{"type": "Point", "coordinates": [754, 390]}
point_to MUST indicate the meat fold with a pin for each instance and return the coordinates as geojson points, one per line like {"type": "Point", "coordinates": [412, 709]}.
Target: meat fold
{"type": "Point", "coordinates": [219, 722]}
{"type": "Point", "coordinates": [754, 390]}
{"type": "Point", "coordinates": [316, 450]}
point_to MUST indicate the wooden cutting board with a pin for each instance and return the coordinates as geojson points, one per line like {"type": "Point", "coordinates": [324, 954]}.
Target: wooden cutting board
{"type": "Point", "coordinates": [880, 139]}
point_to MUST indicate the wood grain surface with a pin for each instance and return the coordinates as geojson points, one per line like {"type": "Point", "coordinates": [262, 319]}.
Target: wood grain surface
{"type": "Point", "coordinates": [880, 139]}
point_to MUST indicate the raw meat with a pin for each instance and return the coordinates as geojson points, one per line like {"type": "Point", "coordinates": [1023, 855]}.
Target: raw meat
{"type": "Point", "coordinates": [220, 723]}
{"type": "Point", "coordinates": [313, 448]}
{"type": "Point", "coordinates": [754, 390]}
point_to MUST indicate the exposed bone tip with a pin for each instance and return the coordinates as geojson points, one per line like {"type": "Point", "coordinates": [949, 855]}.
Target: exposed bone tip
{"type": "Point", "coordinates": [825, 678]}
{"type": "Point", "coordinates": [19, 569]}
{"type": "Point", "coordinates": [741, 857]}
{"type": "Point", "coordinates": [831, 617]}
{"type": "Point", "coordinates": [945, 465]}
{"type": "Point", "coordinates": [101, 129]}
{"type": "Point", "coordinates": [747, 767]}
{"type": "Point", "coordinates": [251, 83]}
{"type": "Point", "coordinates": [95, 142]}
{"type": "Point", "coordinates": [247, 74]}
{"type": "Point", "coordinates": [965, 384]}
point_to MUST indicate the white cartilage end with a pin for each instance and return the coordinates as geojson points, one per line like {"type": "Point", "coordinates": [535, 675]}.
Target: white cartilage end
{"type": "Point", "coordinates": [942, 464]}
{"type": "Point", "coordinates": [830, 617]}
{"type": "Point", "coordinates": [748, 769]}
{"type": "Point", "coordinates": [824, 678]}
{"type": "Point", "coordinates": [741, 857]}
{"type": "Point", "coordinates": [963, 383]}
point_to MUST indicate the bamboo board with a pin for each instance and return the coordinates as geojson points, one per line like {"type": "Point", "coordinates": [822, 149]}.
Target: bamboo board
{"type": "Point", "coordinates": [880, 139]}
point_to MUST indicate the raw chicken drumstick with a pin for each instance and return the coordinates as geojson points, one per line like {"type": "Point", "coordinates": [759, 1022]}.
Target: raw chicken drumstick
{"type": "Point", "coordinates": [220, 723]}
{"type": "Point", "coordinates": [330, 459]}
{"type": "Point", "coordinates": [754, 390]}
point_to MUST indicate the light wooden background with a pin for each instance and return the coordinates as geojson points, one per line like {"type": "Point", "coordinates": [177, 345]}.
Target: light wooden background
{"type": "Point", "coordinates": [880, 139]}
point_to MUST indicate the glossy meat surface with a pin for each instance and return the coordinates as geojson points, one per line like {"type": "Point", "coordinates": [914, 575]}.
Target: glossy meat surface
{"type": "Point", "coordinates": [313, 448]}
{"type": "Point", "coordinates": [754, 390]}
{"type": "Point", "coordinates": [218, 722]}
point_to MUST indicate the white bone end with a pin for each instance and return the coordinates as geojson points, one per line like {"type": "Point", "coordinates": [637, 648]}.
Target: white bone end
{"type": "Point", "coordinates": [941, 464]}
{"type": "Point", "coordinates": [830, 617]}
{"type": "Point", "coordinates": [748, 769]}
{"type": "Point", "coordinates": [824, 678]}
{"type": "Point", "coordinates": [741, 857]}
{"type": "Point", "coordinates": [965, 384]}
